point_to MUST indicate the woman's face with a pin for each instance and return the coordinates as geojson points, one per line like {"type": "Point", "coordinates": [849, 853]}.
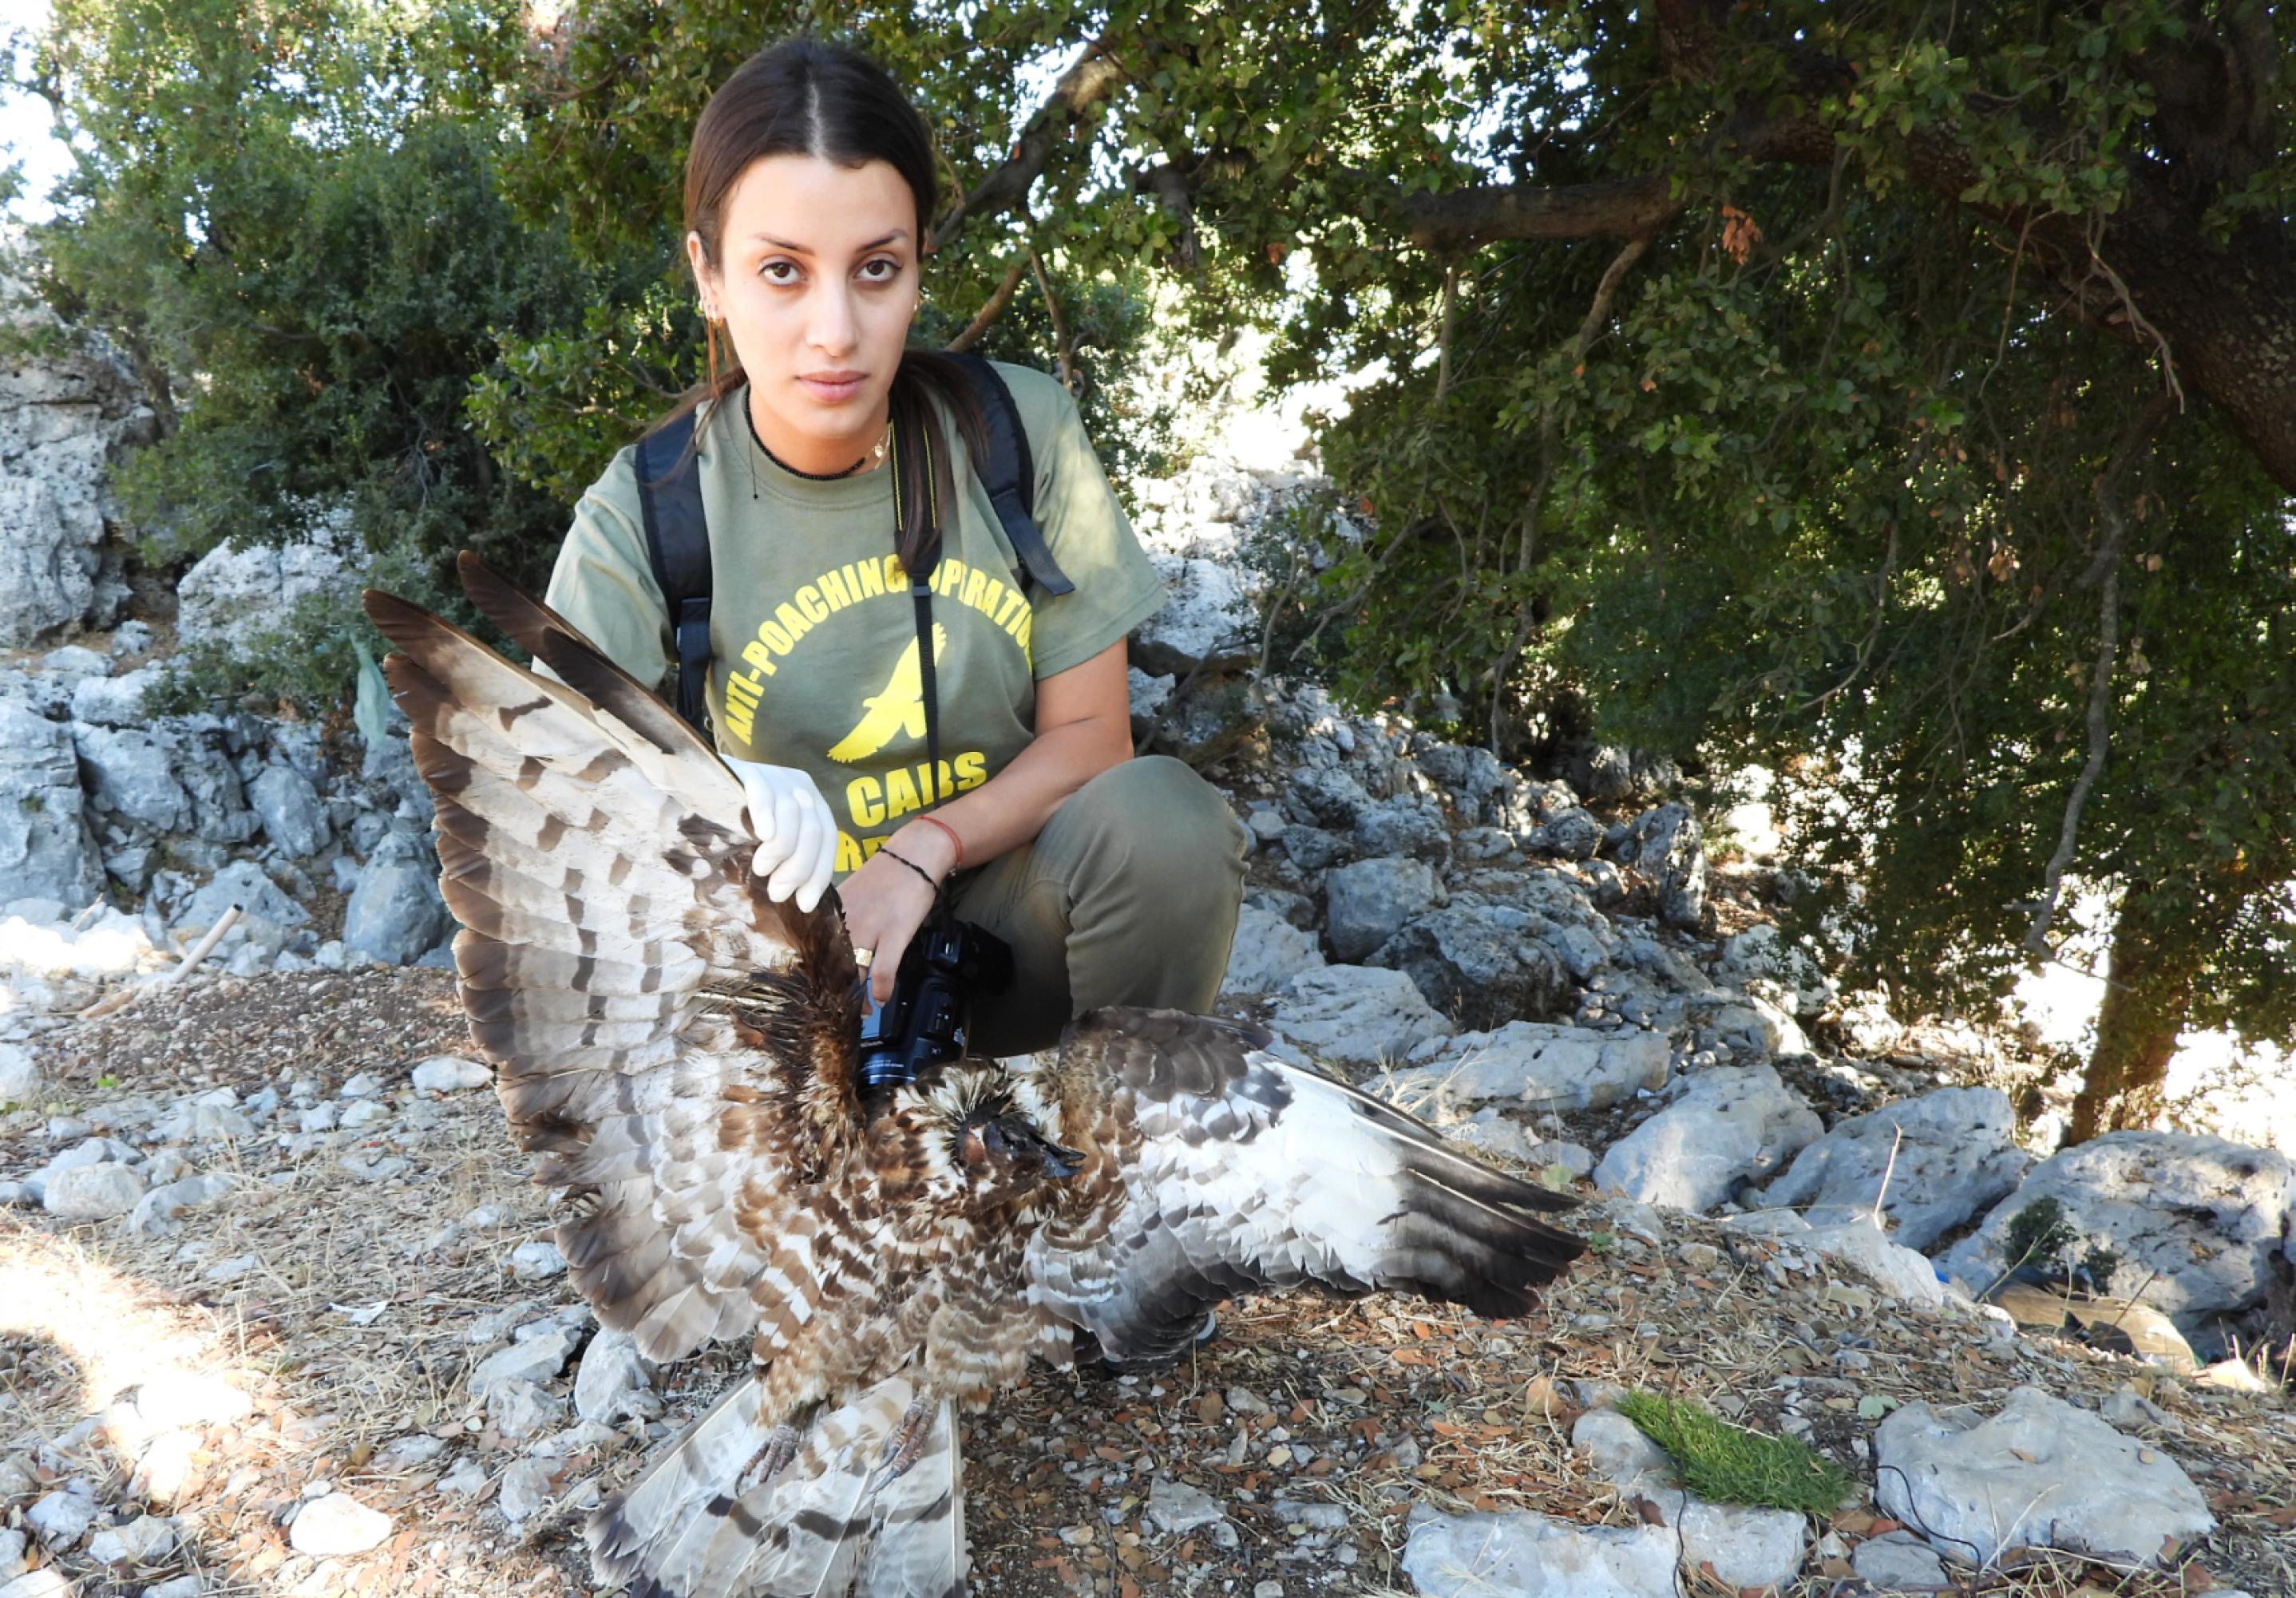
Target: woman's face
{"type": "Point", "coordinates": [819, 280]}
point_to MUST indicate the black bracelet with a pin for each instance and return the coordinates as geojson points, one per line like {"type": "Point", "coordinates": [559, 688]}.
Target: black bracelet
{"type": "Point", "coordinates": [913, 865]}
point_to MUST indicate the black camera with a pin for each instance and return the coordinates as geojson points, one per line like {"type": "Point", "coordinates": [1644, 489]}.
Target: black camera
{"type": "Point", "coordinates": [927, 1019]}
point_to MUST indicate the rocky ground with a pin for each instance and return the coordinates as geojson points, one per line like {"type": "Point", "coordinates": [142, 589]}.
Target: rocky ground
{"type": "Point", "coordinates": [354, 1366]}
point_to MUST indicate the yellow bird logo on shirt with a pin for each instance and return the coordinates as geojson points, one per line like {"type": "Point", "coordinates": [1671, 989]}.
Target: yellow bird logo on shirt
{"type": "Point", "coordinates": [898, 708]}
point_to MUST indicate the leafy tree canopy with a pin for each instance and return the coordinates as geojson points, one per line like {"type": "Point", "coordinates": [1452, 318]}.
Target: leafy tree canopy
{"type": "Point", "coordinates": [1901, 397]}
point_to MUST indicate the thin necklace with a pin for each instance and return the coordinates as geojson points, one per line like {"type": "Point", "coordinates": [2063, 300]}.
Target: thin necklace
{"type": "Point", "coordinates": [876, 455]}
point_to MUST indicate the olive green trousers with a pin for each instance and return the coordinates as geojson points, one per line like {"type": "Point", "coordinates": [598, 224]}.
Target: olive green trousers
{"type": "Point", "coordinates": [1127, 897]}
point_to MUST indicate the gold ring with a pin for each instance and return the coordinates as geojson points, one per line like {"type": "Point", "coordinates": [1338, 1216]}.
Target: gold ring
{"type": "Point", "coordinates": [862, 957]}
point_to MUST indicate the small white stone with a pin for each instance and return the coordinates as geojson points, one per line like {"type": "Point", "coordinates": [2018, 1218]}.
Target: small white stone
{"type": "Point", "coordinates": [181, 1586]}
{"type": "Point", "coordinates": [364, 1086]}
{"type": "Point", "coordinates": [92, 1193]}
{"type": "Point", "coordinates": [526, 1486]}
{"type": "Point", "coordinates": [337, 1524]}
{"type": "Point", "coordinates": [467, 1476]}
{"type": "Point", "coordinates": [142, 1541]}
{"type": "Point", "coordinates": [20, 1079]}
{"type": "Point", "coordinates": [611, 1382]}
{"type": "Point", "coordinates": [520, 1409]}
{"type": "Point", "coordinates": [536, 1261]}
{"type": "Point", "coordinates": [450, 1073]}
{"type": "Point", "coordinates": [46, 1582]}
{"type": "Point", "coordinates": [535, 1359]}
{"type": "Point", "coordinates": [362, 1113]}
{"type": "Point", "coordinates": [61, 1518]}
{"type": "Point", "coordinates": [1174, 1507]}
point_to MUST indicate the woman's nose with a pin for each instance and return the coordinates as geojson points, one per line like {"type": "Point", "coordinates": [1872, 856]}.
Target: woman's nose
{"type": "Point", "coordinates": [832, 328]}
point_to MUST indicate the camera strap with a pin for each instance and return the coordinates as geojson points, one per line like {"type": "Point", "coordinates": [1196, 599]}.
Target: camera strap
{"type": "Point", "coordinates": [920, 590]}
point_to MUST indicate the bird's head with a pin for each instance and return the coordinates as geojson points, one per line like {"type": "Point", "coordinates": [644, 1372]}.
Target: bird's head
{"type": "Point", "coordinates": [994, 1152]}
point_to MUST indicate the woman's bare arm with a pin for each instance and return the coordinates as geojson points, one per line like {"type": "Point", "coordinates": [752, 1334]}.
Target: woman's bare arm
{"type": "Point", "coordinates": [1084, 727]}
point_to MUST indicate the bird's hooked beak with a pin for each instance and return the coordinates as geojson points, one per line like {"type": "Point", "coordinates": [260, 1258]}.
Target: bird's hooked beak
{"type": "Point", "coordinates": [1016, 1133]}
{"type": "Point", "coordinates": [1060, 1163]}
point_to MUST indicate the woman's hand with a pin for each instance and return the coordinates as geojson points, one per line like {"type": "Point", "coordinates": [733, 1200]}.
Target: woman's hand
{"type": "Point", "coordinates": [886, 902]}
{"type": "Point", "coordinates": [797, 837]}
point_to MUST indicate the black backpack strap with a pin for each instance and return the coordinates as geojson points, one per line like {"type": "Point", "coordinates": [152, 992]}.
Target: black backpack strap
{"type": "Point", "coordinates": [677, 543]}
{"type": "Point", "coordinates": [1010, 476]}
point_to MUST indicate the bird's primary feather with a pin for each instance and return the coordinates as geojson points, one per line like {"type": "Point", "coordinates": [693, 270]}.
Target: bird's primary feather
{"type": "Point", "coordinates": [679, 1052]}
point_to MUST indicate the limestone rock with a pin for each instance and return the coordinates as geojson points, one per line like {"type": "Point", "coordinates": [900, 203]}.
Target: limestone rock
{"type": "Point", "coordinates": [1899, 1561]}
{"type": "Point", "coordinates": [1571, 834]}
{"type": "Point", "coordinates": [235, 591]}
{"type": "Point", "coordinates": [45, 846]}
{"type": "Point", "coordinates": [395, 913]}
{"type": "Point", "coordinates": [1542, 1065]}
{"type": "Point", "coordinates": [1730, 1124]}
{"type": "Point", "coordinates": [1663, 844]}
{"type": "Point", "coordinates": [536, 1261]}
{"type": "Point", "coordinates": [1366, 902]}
{"type": "Point", "coordinates": [1905, 1274]}
{"type": "Point", "coordinates": [1268, 952]}
{"type": "Point", "coordinates": [1207, 618]}
{"type": "Point", "coordinates": [132, 776]}
{"type": "Point", "coordinates": [1519, 1553]}
{"type": "Point", "coordinates": [2040, 1472]}
{"type": "Point", "coordinates": [1357, 1014]}
{"type": "Point", "coordinates": [61, 1518]}
{"type": "Point", "coordinates": [1411, 827]}
{"type": "Point", "coordinates": [1485, 964]}
{"type": "Point", "coordinates": [2202, 1213]}
{"type": "Point", "coordinates": [293, 818]}
{"type": "Point", "coordinates": [115, 701]}
{"type": "Point", "coordinates": [537, 1359]}
{"type": "Point", "coordinates": [1947, 1155]}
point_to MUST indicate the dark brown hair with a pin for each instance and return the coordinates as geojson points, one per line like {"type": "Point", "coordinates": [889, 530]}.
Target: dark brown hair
{"type": "Point", "coordinates": [804, 96]}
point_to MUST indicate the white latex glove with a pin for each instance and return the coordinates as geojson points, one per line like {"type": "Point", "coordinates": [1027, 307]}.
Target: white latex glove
{"type": "Point", "coordinates": [797, 839]}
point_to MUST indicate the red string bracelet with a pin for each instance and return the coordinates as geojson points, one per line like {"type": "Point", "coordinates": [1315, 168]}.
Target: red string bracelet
{"type": "Point", "coordinates": [955, 843]}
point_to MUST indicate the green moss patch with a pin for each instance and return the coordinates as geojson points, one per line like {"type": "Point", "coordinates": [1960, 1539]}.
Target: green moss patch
{"type": "Point", "coordinates": [1730, 1464]}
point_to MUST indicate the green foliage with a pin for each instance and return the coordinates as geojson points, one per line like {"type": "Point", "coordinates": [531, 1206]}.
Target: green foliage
{"type": "Point", "coordinates": [1818, 474]}
{"type": "Point", "coordinates": [1729, 1465]}
{"type": "Point", "coordinates": [2041, 1237]}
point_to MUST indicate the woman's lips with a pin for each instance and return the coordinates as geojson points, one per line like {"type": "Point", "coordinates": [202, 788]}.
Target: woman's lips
{"type": "Point", "coordinates": [834, 389]}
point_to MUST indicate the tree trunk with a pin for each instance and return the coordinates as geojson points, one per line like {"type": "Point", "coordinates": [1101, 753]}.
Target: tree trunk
{"type": "Point", "coordinates": [2152, 981]}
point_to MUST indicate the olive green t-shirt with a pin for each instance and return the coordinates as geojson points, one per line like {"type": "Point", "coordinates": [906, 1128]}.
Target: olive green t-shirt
{"type": "Point", "coordinates": [813, 633]}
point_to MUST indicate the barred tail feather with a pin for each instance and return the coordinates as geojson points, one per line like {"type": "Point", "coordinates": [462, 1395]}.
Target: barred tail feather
{"type": "Point", "coordinates": [696, 1523]}
{"type": "Point", "coordinates": [633, 1533]}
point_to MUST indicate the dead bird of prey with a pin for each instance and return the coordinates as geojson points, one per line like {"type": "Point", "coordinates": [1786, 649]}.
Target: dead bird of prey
{"type": "Point", "coordinates": [681, 1052]}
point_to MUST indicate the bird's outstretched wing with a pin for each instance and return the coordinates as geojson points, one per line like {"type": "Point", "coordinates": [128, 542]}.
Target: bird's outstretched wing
{"type": "Point", "coordinates": [676, 1044]}
{"type": "Point", "coordinates": [1239, 1170]}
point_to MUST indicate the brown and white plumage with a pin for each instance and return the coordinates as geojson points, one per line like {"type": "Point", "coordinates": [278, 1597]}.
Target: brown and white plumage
{"type": "Point", "coordinates": [681, 1052]}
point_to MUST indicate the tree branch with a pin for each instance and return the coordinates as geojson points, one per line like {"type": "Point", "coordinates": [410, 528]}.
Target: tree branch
{"type": "Point", "coordinates": [1628, 208]}
{"type": "Point", "coordinates": [1064, 343]}
{"type": "Point", "coordinates": [1090, 79]}
{"type": "Point", "coordinates": [2105, 571]}
{"type": "Point", "coordinates": [988, 313]}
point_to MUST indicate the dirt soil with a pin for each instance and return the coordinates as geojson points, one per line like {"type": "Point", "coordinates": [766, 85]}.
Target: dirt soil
{"type": "Point", "coordinates": [350, 1297]}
